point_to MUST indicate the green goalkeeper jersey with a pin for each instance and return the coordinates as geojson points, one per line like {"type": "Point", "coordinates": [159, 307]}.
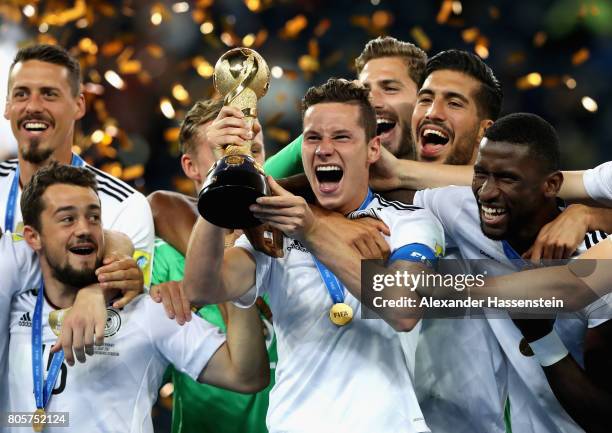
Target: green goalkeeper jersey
{"type": "Point", "coordinates": [204, 408]}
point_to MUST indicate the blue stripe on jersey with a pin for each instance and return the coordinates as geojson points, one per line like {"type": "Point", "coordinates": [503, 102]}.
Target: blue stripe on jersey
{"type": "Point", "coordinates": [415, 253]}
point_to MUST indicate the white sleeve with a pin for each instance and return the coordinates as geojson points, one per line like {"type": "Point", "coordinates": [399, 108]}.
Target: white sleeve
{"type": "Point", "coordinates": [136, 221]}
{"type": "Point", "coordinates": [599, 311]}
{"type": "Point", "coordinates": [446, 204]}
{"type": "Point", "coordinates": [418, 226]}
{"type": "Point", "coordinates": [19, 270]}
{"type": "Point", "coordinates": [598, 183]}
{"type": "Point", "coordinates": [262, 274]}
{"type": "Point", "coordinates": [188, 347]}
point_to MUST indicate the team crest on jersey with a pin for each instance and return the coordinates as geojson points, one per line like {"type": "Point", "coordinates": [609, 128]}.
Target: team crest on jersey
{"type": "Point", "coordinates": [113, 322]}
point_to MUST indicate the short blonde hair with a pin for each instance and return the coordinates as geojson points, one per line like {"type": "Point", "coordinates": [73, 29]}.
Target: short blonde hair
{"type": "Point", "coordinates": [414, 57]}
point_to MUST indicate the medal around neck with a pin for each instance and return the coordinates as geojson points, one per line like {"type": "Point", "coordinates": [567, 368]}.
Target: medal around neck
{"type": "Point", "coordinates": [38, 420]}
{"type": "Point", "coordinates": [236, 180]}
{"type": "Point", "coordinates": [341, 314]}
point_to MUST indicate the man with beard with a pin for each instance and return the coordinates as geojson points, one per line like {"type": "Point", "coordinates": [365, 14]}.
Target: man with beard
{"type": "Point", "coordinates": [44, 101]}
{"type": "Point", "coordinates": [515, 184]}
{"type": "Point", "coordinates": [391, 70]}
{"type": "Point", "coordinates": [115, 390]}
{"type": "Point", "coordinates": [458, 100]}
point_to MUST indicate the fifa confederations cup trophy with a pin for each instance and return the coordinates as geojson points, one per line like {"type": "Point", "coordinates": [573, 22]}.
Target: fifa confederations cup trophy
{"type": "Point", "coordinates": [236, 180]}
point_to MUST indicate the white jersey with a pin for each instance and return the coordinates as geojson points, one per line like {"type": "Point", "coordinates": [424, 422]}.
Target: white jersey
{"type": "Point", "coordinates": [534, 407]}
{"type": "Point", "coordinates": [349, 379]}
{"type": "Point", "coordinates": [598, 183]}
{"type": "Point", "coordinates": [19, 272]}
{"type": "Point", "coordinates": [114, 391]}
{"type": "Point", "coordinates": [123, 209]}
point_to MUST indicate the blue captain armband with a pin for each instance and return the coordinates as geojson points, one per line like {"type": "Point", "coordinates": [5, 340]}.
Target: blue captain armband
{"type": "Point", "coordinates": [415, 253]}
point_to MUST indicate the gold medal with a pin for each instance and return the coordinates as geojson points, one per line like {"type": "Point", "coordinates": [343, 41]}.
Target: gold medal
{"type": "Point", "coordinates": [38, 420]}
{"type": "Point", "coordinates": [56, 317]}
{"type": "Point", "coordinates": [340, 314]}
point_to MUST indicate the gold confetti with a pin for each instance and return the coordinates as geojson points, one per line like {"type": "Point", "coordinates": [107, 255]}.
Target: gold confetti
{"type": "Point", "coordinates": [64, 16]}
{"type": "Point", "coordinates": [421, 39]}
{"type": "Point", "coordinates": [539, 39]}
{"type": "Point", "coordinates": [253, 5]}
{"type": "Point", "coordinates": [261, 37]}
{"type": "Point", "coordinates": [308, 63]}
{"type": "Point", "coordinates": [589, 104]}
{"type": "Point", "coordinates": [133, 172]}
{"type": "Point", "coordinates": [166, 108]}
{"type": "Point", "coordinates": [570, 83]}
{"type": "Point", "coordinates": [469, 35]}
{"type": "Point", "coordinates": [494, 12]}
{"type": "Point", "coordinates": [276, 71]}
{"type": "Point", "coordinates": [180, 93]}
{"type": "Point", "coordinates": [580, 56]}
{"type": "Point", "coordinates": [322, 27]}
{"type": "Point", "coordinates": [248, 40]}
{"type": "Point", "coordinates": [114, 79]}
{"type": "Point", "coordinates": [155, 51]}
{"type": "Point", "coordinates": [457, 7]}
{"type": "Point", "coordinates": [313, 48]}
{"type": "Point", "coordinates": [445, 10]}
{"type": "Point", "coordinates": [113, 168]}
{"type": "Point", "coordinates": [278, 134]}
{"type": "Point", "coordinates": [97, 136]}
{"type": "Point", "coordinates": [382, 19]}
{"type": "Point", "coordinates": [172, 134]}
{"type": "Point", "coordinates": [294, 27]}
{"type": "Point", "coordinates": [112, 48]}
{"type": "Point", "coordinates": [529, 81]}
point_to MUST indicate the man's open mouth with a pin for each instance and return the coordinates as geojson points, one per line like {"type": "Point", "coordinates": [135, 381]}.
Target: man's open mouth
{"type": "Point", "coordinates": [329, 173]}
{"type": "Point", "coordinates": [82, 250]}
{"type": "Point", "coordinates": [384, 125]}
{"type": "Point", "coordinates": [492, 215]}
{"type": "Point", "coordinates": [432, 140]}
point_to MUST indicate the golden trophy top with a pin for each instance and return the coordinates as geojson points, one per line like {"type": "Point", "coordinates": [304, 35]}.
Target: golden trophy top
{"type": "Point", "coordinates": [242, 76]}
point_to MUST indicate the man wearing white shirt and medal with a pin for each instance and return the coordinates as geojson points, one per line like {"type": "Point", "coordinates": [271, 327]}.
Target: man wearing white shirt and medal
{"type": "Point", "coordinates": [338, 375]}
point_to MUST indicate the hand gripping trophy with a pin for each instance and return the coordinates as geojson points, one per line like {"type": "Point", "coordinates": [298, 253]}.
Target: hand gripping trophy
{"type": "Point", "coordinates": [236, 180]}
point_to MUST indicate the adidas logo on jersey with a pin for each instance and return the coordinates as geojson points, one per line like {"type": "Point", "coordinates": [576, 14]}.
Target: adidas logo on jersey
{"type": "Point", "coordinates": [25, 320]}
{"type": "Point", "coordinates": [296, 245]}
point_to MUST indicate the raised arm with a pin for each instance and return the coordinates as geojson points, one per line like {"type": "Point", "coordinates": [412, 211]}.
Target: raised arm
{"type": "Point", "coordinates": [174, 215]}
{"type": "Point", "coordinates": [390, 173]}
{"type": "Point", "coordinates": [242, 364]}
{"type": "Point", "coordinates": [212, 275]}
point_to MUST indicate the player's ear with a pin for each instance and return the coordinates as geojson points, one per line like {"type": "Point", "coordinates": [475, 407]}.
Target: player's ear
{"type": "Point", "coordinates": [553, 183]}
{"type": "Point", "coordinates": [32, 237]}
{"type": "Point", "coordinates": [190, 168]}
{"type": "Point", "coordinates": [373, 150]}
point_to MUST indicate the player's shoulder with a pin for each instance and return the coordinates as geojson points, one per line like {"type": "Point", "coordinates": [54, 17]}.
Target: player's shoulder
{"type": "Point", "coordinates": [452, 194]}
{"type": "Point", "coordinates": [110, 188]}
{"type": "Point", "coordinates": [394, 206]}
{"type": "Point", "coordinates": [7, 168]}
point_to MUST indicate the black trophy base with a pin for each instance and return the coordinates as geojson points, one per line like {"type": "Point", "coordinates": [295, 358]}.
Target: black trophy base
{"type": "Point", "coordinates": [233, 185]}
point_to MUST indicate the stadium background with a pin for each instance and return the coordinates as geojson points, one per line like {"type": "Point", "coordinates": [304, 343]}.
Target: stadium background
{"type": "Point", "coordinates": [144, 63]}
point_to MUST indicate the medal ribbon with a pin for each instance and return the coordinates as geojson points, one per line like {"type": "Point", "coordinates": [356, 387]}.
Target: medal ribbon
{"type": "Point", "coordinates": [333, 284]}
{"type": "Point", "coordinates": [517, 260]}
{"type": "Point", "coordinates": [42, 388]}
{"type": "Point", "coordinates": [9, 218]}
